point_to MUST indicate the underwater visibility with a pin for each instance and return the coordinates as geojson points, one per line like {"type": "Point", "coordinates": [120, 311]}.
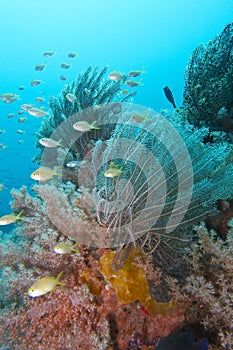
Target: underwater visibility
{"type": "Point", "coordinates": [116, 181]}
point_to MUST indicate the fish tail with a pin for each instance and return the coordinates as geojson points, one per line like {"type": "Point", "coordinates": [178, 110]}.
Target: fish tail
{"type": "Point", "coordinates": [73, 246]}
{"type": "Point", "coordinates": [20, 213]}
{"type": "Point", "coordinates": [93, 125]}
{"type": "Point", "coordinates": [59, 275]}
{"type": "Point", "coordinates": [143, 71]}
{"type": "Point", "coordinates": [61, 284]}
{"type": "Point", "coordinates": [55, 169]}
{"type": "Point", "coordinates": [60, 144]}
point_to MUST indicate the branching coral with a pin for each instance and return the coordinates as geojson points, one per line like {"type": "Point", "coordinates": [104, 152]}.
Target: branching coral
{"type": "Point", "coordinates": [209, 287]}
{"type": "Point", "coordinates": [208, 90]}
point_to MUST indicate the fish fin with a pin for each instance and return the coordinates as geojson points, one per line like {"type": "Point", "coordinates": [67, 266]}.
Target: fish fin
{"type": "Point", "coordinates": [93, 125]}
{"type": "Point", "coordinates": [74, 245]}
{"type": "Point", "coordinates": [112, 165]}
{"type": "Point", "coordinates": [55, 169]}
{"type": "Point", "coordinates": [59, 275]}
{"type": "Point", "coordinates": [61, 284]}
{"type": "Point", "coordinates": [143, 71]}
{"type": "Point", "coordinates": [60, 144]}
{"type": "Point", "coordinates": [74, 250]}
{"type": "Point", "coordinates": [18, 215]}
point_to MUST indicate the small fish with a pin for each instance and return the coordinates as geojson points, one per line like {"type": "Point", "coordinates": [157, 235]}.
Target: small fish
{"type": "Point", "coordinates": [116, 76]}
{"type": "Point", "coordinates": [75, 164]}
{"type": "Point", "coordinates": [113, 171]}
{"type": "Point", "coordinates": [85, 126]}
{"type": "Point", "coordinates": [138, 118]}
{"type": "Point", "coordinates": [20, 112]}
{"type": "Point", "coordinates": [44, 174]}
{"type": "Point", "coordinates": [37, 112]}
{"type": "Point", "coordinates": [45, 285]}
{"type": "Point", "coordinates": [26, 106]}
{"type": "Point", "coordinates": [2, 187]}
{"type": "Point", "coordinates": [65, 65]}
{"type": "Point", "coordinates": [35, 82]}
{"type": "Point", "coordinates": [21, 119]}
{"type": "Point", "coordinates": [124, 92]}
{"type": "Point", "coordinates": [63, 77]}
{"type": "Point", "coordinates": [2, 131]}
{"type": "Point", "coordinates": [3, 147]}
{"type": "Point", "coordinates": [21, 87]}
{"type": "Point", "coordinates": [132, 83]}
{"type": "Point", "coordinates": [20, 131]}
{"type": "Point", "coordinates": [48, 53]}
{"type": "Point", "coordinates": [87, 91]}
{"type": "Point", "coordinates": [136, 73]}
{"type": "Point", "coordinates": [39, 99]}
{"type": "Point", "coordinates": [169, 95]}
{"type": "Point", "coordinates": [40, 67]}
{"type": "Point", "coordinates": [50, 143]}
{"type": "Point", "coordinates": [20, 142]}
{"type": "Point", "coordinates": [9, 97]}
{"type": "Point", "coordinates": [10, 219]}
{"type": "Point", "coordinates": [10, 115]}
{"type": "Point", "coordinates": [96, 107]}
{"type": "Point", "coordinates": [65, 248]}
{"type": "Point", "coordinates": [72, 98]}
{"type": "Point", "coordinates": [72, 55]}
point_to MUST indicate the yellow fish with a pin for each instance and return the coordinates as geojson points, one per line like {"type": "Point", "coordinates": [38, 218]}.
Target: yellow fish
{"type": "Point", "coordinates": [138, 118]}
{"type": "Point", "coordinates": [113, 171]}
{"type": "Point", "coordinates": [2, 187]}
{"type": "Point", "coordinates": [136, 73]}
{"type": "Point", "coordinates": [85, 126]}
{"type": "Point", "coordinates": [116, 76]}
{"type": "Point", "coordinates": [44, 173]}
{"type": "Point", "coordinates": [50, 143]}
{"type": "Point", "coordinates": [45, 285]}
{"type": "Point", "coordinates": [10, 219]}
{"type": "Point", "coordinates": [65, 248]}
{"type": "Point", "coordinates": [37, 112]}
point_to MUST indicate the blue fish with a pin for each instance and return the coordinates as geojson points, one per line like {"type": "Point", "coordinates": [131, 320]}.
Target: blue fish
{"type": "Point", "coordinates": [169, 95]}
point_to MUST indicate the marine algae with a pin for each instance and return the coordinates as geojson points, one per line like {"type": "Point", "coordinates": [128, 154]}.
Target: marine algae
{"type": "Point", "coordinates": [130, 283]}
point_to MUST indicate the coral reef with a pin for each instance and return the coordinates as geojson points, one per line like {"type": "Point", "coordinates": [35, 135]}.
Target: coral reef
{"type": "Point", "coordinates": [131, 279]}
{"type": "Point", "coordinates": [208, 90]}
{"type": "Point", "coordinates": [209, 287]}
{"type": "Point", "coordinates": [87, 310]}
{"type": "Point", "coordinates": [84, 311]}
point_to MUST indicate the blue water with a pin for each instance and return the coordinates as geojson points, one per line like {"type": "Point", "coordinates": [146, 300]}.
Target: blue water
{"type": "Point", "coordinates": [156, 35]}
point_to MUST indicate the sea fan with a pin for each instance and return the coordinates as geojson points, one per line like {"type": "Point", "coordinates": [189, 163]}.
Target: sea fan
{"type": "Point", "coordinates": [169, 179]}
